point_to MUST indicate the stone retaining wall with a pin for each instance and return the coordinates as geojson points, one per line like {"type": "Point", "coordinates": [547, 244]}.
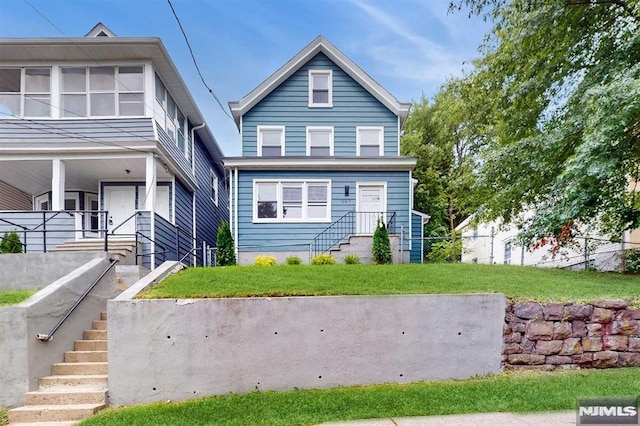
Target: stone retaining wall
{"type": "Point", "coordinates": [600, 334]}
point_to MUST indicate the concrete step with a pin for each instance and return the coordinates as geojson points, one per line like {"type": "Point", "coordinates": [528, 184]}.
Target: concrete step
{"type": "Point", "coordinates": [90, 345]}
{"type": "Point", "coordinates": [78, 368]}
{"type": "Point", "coordinates": [103, 315]}
{"type": "Point", "coordinates": [49, 413]}
{"type": "Point", "coordinates": [85, 356]}
{"type": "Point", "coordinates": [87, 381]}
{"type": "Point", "coordinates": [99, 325]}
{"type": "Point", "coordinates": [95, 335]}
{"type": "Point", "coordinates": [56, 396]}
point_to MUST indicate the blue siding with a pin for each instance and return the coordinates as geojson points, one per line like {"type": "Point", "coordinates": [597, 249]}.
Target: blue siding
{"type": "Point", "coordinates": [208, 215]}
{"type": "Point", "coordinates": [184, 208]}
{"type": "Point", "coordinates": [270, 234]}
{"type": "Point", "coordinates": [143, 227]}
{"type": "Point", "coordinates": [416, 237]}
{"type": "Point", "coordinates": [288, 106]}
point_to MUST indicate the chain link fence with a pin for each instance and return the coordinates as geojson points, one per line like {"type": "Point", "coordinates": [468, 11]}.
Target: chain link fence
{"type": "Point", "coordinates": [580, 254]}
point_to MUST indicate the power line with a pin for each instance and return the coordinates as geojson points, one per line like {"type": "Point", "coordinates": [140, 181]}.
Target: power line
{"type": "Point", "coordinates": [186, 39]}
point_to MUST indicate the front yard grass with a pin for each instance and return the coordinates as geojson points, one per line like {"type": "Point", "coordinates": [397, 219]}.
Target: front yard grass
{"type": "Point", "coordinates": [12, 297]}
{"type": "Point", "coordinates": [505, 392]}
{"type": "Point", "coordinates": [521, 283]}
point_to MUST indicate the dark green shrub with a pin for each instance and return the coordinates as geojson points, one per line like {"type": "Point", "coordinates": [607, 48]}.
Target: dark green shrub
{"type": "Point", "coordinates": [226, 254]}
{"type": "Point", "coordinates": [11, 243]}
{"type": "Point", "coordinates": [446, 251]}
{"type": "Point", "coordinates": [293, 260]}
{"type": "Point", "coordinates": [381, 244]}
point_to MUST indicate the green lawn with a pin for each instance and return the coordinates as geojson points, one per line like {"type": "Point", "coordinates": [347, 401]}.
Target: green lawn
{"type": "Point", "coordinates": [524, 283]}
{"type": "Point", "coordinates": [506, 392]}
{"type": "Point", "coordinates": [3, 416]}
{"type": "Point", "coordinates": [12, 297]}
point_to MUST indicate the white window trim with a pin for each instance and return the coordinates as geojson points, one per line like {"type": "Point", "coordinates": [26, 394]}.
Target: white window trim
{"type": "Point", "coordinates": [358, 138]}
{"type": "Point", "coordinates": [305, 201]}
{"type": "Point", "coordinates": [323, 128]}
{"type": "Point", "coordinates": [320, 72]}
{"type": "Point", "coordinates": [214, 182]}
{"type": "Point", "coordinates": [259, 138]}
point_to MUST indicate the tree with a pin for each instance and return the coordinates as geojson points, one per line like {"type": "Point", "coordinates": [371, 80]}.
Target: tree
{"type": "Point", "coordinates": [555, 101]}
{"type": "Point", "coordinates": [225, 254]}
{"type": "Point", "coordinates": [437, 135]}
{"type": "Point", "coordinates": [381, 249]}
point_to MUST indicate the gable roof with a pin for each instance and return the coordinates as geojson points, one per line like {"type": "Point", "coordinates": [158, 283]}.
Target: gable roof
{"type": "Point", "coordinates": [100, 30]}
{"type": "Point", "coordinates": [319, 45]}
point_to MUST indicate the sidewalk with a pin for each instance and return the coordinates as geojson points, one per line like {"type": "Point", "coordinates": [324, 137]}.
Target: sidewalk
{"type": "Point", "coordinates": [484, 419]}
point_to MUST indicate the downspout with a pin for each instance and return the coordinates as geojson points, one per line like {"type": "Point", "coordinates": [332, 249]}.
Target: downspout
{"type": "Point", "coordinates": [194, 202]}
{"type": "Point", "coordinates": [236, 213]}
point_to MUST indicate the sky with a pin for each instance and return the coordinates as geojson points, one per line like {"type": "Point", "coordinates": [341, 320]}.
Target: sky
{"type": "Point", "coordinates": [410, 47]}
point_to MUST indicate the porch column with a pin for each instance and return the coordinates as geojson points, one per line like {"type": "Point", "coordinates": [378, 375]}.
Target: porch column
{"type": "Point", "coordinates": [150, 184]}
{"type": "Point", "coordinates": [57, 185]}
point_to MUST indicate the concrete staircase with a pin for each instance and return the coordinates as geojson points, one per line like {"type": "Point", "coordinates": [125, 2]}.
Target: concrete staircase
{"type": "Point", "coordinates": [124, 247]}
{"type": "Point", "coordinates": [362, 245]}
{"type": "Point", "coordinates": [77, 387]}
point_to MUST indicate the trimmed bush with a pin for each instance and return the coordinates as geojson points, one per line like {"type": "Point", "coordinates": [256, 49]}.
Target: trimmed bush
{"type": "Point", "coordinates": [293, 260]}
{"type": "Point", "coordinates": [381, 249]}
{"type": "Point", "coordinates": [225, 254]}
{"type": "Point", "coordinates": [323, 259]}
{"type": "Point", "coordinates": [632, 261]}
{"type": "Point", "coordinates": [11, 243]}
{"type": "Point", "coordinates": [351, 259]}
{"type": "Point", "coordinates": [265, 261]}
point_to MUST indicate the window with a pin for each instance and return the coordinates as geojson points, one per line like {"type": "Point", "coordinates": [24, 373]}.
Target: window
{"type": "Point", "coordinates": [320, 88]}
{"type": "Point", "coordinates": [25, 92]}
{"type": "Point", "coordinates": [214, 186]}
{"type": "Point", "coordinates": [108, 91]}
{"type": "Point", "coordinates": [172, 120]}
{"type": "Point", "coordinates": [319, 141]}
{"type": "Point", "coordinates": [507, 252]}
{"type": "Point", "coordinates": [291, 201]}
{"type": "Point", "coordinates": [270, 141]}
{"type": "Point", "coordinates": [369, 141]}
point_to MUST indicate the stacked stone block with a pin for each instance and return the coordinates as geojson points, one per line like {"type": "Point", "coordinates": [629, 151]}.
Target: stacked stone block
{"type": "Point", "coordinates": [602, 334]}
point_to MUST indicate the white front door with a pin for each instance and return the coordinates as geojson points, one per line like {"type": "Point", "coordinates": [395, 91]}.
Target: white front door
{"type": "Point", "coordinates": [371, 205]}
{"type": "Point", "coordinates": [120, 202]}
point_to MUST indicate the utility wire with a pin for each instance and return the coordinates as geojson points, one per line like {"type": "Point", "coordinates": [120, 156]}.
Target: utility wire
{"type": "Point", "coordinates": [186, 39]}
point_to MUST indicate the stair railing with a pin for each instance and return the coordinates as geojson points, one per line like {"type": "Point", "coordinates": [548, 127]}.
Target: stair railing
{"type": "Point", "coordinates": [49, 336]}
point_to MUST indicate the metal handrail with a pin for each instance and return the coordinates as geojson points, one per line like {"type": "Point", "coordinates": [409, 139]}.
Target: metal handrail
{"type": "Point", "coordinates": [123, 222]}
{"type": "Point", "coordinates": [188, 253]}
{"type": "Point", "coordinates": [49, 336]}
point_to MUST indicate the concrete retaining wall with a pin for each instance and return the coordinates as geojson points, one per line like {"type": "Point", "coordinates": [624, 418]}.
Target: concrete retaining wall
{"type": "Point", "coordinates": [190, 348]}
{"type": "Point", "coordinates": [33, 271]}
{"type": "Point", "coordinates": [23, 358]}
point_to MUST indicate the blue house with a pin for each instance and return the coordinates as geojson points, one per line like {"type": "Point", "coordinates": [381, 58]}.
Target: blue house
{"type": "Point", "coordinates": [100, 139]}
{"type": "Point", "coordinates": [320, 162]}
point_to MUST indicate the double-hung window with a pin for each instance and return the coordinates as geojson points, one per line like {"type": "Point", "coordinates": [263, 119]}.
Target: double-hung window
{"type": "Point", "coordinates": [370, 141]}
{"type": "Point", "coordinates": [214, 186]}
{"type": "Point", "coordinates": [320, 88]}
{"type": "Point", "coordinates": [25, 92]}
{"type": "Point", "coordinates": [270, 141]}
{"type": "Point", "coordinates": [292, 201]}
{"type": "Point", "coordinates": [172, 120]}
{"type": "Point", "coordinates": [106, 91]}
{"type": "Point", "coordinates": [319, 141]}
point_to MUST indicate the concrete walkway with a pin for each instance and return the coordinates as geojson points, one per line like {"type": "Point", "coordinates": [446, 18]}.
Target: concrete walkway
{"type": "Point", "coordinates": [484, 419]}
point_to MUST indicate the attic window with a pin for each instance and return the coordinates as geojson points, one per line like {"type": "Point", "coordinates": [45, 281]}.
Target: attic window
{"type": "Point", "coordinates": [102, 34]}
{"type": "Point", "coordinates": [320, 88]}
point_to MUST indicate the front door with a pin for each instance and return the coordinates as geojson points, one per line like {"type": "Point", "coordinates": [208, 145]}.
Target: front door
{"type": "Point", "coordinates": [371, 207]}
{"type": "Point", "coordinates": [120, 202]}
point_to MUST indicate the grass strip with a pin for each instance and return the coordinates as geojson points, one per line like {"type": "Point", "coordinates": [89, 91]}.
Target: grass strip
{"type": "Point", "coordinates": [523, 283]}
{"type": "Point", "coordinates": [13, 297]}
{"type": "Point", "coordinates": [505, 392]}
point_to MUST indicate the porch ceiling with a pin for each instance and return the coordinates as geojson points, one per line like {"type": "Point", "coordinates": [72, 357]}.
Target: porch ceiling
{"type": "Point", "coordinates": [34, 176]}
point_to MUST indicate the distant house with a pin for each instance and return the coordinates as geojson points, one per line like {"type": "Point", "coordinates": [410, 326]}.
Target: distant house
{"type": "Point", "coordinates": [496, 243]}
{"type": "Point", "coordinates": [104, 129]}
{"type": "Point", "coordinates": [320, 162]}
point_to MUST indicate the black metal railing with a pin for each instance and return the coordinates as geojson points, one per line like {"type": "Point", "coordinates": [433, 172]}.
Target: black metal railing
{"type": "Point", "coordinates": [352, 223]}
{"type": "Point", "coordinates": [48, 336]}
